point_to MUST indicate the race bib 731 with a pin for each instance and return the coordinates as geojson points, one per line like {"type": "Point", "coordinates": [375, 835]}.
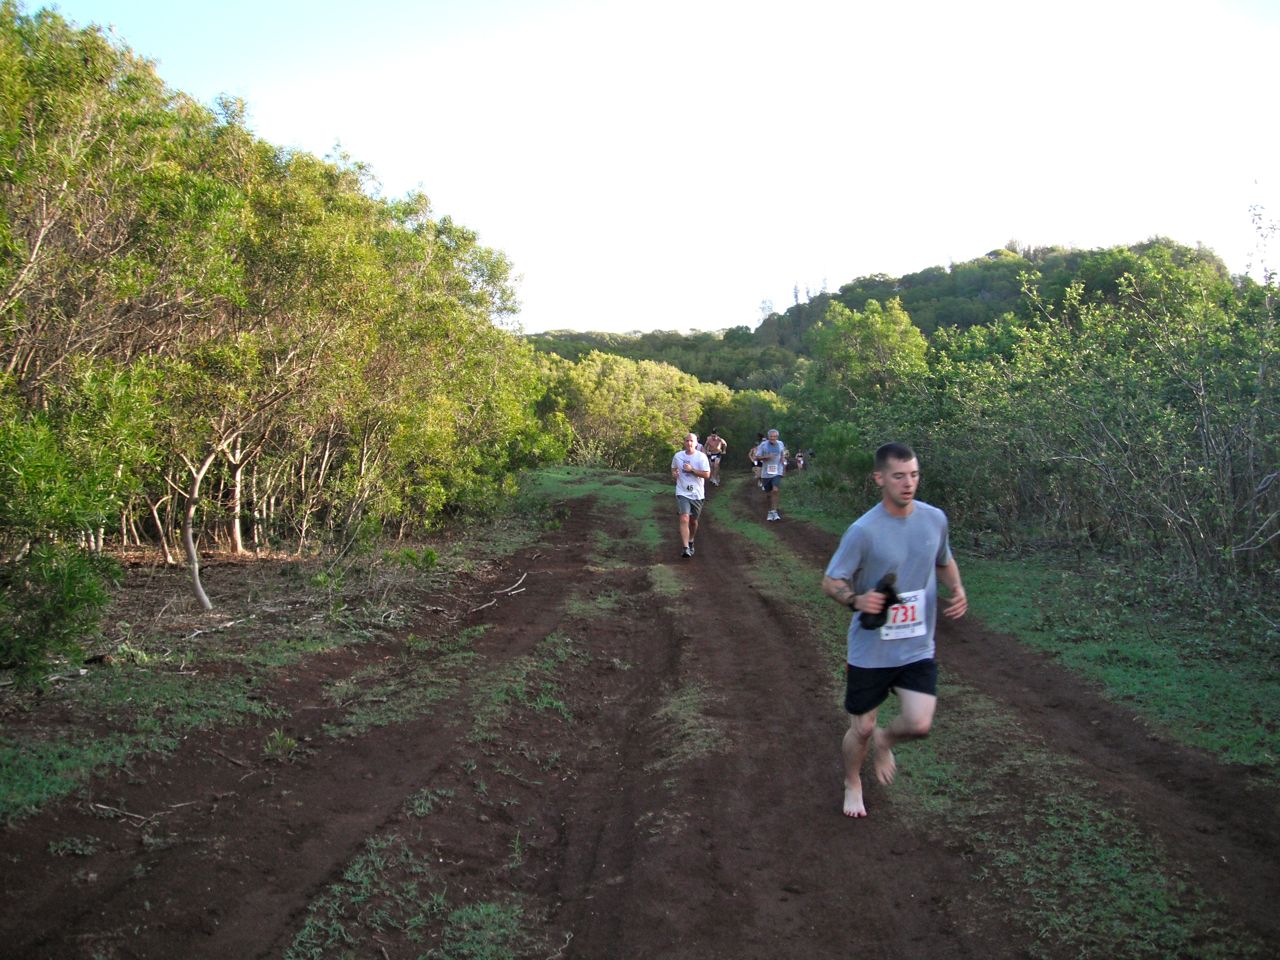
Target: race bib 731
{"type": "Point", "coordinates": [906, 618]}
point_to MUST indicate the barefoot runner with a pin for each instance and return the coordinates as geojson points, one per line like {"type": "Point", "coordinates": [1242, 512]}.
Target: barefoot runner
{"type": "Point", "coordinates": [689, 468]}
{"type": "Point", "coordinates": [715, 448]}
{"type": "Point", "coordinates": [908, 538]}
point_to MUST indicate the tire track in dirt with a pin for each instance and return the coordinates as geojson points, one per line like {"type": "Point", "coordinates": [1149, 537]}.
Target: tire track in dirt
{"type": "Point", "coordinates": [1220, 820]}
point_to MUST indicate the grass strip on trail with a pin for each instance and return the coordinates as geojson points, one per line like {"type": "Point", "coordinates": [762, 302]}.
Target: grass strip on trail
{"type": "Point", "coordinates": [1071, 870]}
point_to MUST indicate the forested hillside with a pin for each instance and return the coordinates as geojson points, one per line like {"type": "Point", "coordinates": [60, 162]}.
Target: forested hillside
{"type": "Point", "coordinates": [978, 291]}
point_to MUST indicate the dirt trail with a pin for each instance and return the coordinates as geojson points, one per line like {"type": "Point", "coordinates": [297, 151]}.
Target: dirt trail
{"type": "Point", "coordinates": [623, 849]}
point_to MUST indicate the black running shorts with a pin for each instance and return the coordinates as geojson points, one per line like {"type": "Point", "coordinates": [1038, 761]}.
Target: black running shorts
{"type": "Point", "coordinates": [866, 688]}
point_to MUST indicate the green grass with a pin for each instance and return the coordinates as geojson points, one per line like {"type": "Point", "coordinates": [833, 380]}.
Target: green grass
{"type": "Point", "coordinates": [74, 847]}
{"type": "Point", "coordinates": [488, 930]}
{"type": "Point", "coordinates": [627, 497]}
{"type": "Point", "coordinates": [1182, 681]}
{"type": "Point", "coordinates": [404, 689]}
{"type": "Point", "coordinates": [388, 886]}
{"type": "Point", "coordinates": [601, 604]}
{"type": "Point", "coordinates": [426, 801]}
{"type": "Point", "coordinates": [529, 682]}
{"type": "Point", "coordinates": [665, 583]}
{"type": "Point", "coordinates": [687, 733]}
{"type": "Point", "coordinates": [1081, 875]}
{"type": "Point", "coordinates": [160, 689]}
{"type": "Point", "coordinates": [151, 709]}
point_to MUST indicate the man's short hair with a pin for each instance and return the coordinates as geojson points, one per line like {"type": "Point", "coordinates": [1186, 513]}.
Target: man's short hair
{"type": "Point", "coordinates": [773, 431]}
{"type": "Point", "coordinates": [892, 451]}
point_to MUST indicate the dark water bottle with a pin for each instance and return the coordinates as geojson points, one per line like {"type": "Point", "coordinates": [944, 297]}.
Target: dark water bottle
{"type": "Point", "coordinates": [886, 584]}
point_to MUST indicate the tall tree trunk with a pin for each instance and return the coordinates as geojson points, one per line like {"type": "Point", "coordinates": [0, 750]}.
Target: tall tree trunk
{"type": "Point", "coordinates": [162, 531]}
{"type": "Point", "coordinates": [188, 524]}
{"type": "Point", "coordinates": [257, 507]}
{"type": "Point", "coordinates": [237, 499]}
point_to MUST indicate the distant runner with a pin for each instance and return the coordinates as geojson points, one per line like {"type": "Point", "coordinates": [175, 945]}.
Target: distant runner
{"type": "Point", "coordinates": [715, 448]}
{"type": "Point", "coordinates": [689, 468]}
{"type": "Point", "coordinates": [772, 455]}
{"type": "Point", "coordinates": [905, 538]}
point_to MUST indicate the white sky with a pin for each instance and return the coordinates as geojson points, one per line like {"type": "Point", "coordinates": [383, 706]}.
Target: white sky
{"type": "Point", "coordinates": [670, 164]}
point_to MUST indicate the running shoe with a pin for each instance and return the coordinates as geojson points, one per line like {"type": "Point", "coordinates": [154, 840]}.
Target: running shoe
{"type": "Point", "coordinates": [691, 548]}
{"type": "Point", "coordinates": [686, 553]}
{"type": "Point", "coordinates": [770, 516]}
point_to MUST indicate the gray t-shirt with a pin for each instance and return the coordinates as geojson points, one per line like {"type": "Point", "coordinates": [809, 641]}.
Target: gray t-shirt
{"type": "Point", "coordinates": [769, 454]}
{"type": "Point", "coordinates": [913, 547]}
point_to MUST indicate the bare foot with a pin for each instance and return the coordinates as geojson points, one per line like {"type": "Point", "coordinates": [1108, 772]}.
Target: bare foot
{"type": "Point", "coordinates": [886, 765]}
{"type": "Point", "coordinates": [853, 805]}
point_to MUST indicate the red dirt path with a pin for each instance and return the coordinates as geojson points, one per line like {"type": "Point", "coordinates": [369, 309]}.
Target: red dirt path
{"type": "Point", "coordinates": [741, 853]}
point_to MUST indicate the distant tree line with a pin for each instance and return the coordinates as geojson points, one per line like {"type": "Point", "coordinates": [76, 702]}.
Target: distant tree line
{"type": "Point", "coordinates": [978, 291]}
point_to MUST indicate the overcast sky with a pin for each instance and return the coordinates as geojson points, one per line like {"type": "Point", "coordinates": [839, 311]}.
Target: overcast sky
{"type": "Point", "coordinates": [674, 164]}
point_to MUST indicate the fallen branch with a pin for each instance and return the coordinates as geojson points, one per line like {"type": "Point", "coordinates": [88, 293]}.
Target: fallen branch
{"type": "Point", "coordinates": [482, 606]}
{"type": "Point", "coordinates": [238, 763]}
{"type": "Point", "coordinates": [223, 626]}
{"type": "Point", "coordinates": [514, 585]}
{"type": "Point", "coordinates": [559, 953]}
{"type": "Point", "coordinates": [122, 813]}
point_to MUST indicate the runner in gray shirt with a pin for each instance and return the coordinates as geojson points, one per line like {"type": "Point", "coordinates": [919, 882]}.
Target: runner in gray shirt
{"type": "Point", "coordinates": [906, 538]}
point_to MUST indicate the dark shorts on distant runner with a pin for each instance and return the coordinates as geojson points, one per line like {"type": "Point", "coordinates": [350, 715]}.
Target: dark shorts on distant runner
{"type": "Point", "coordinates": [685, 505]}
{"type": "Point", "coordinates": [714, 457]}
{"type": "Point", "coordinates": [865, 688]}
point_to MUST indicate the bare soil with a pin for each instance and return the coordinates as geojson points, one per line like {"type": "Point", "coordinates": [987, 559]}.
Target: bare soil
{"type": "Point", "coordinates": [623, 848]}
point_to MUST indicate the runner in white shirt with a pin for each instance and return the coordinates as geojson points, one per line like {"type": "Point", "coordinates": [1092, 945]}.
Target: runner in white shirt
{"type": "Point", "coordinates": [689, 469]}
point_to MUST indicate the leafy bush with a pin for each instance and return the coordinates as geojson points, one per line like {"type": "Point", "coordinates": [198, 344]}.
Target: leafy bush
{"type": "Point", "coordinates": [50, 599]}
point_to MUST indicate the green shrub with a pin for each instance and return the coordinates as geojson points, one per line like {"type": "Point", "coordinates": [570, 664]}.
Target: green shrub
{"type": "Point", "coordinates": [49, 600]}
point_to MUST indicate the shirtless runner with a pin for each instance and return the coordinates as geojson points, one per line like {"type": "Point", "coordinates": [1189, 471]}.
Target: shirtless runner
{"type": "Point", "coordinates": [715, 448]}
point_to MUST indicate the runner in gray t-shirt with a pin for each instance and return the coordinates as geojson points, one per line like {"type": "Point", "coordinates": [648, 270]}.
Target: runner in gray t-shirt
{"type": "Point", "coordinates": [771, 455]}
{"type": "Point", "coordinates": [908, 539]}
